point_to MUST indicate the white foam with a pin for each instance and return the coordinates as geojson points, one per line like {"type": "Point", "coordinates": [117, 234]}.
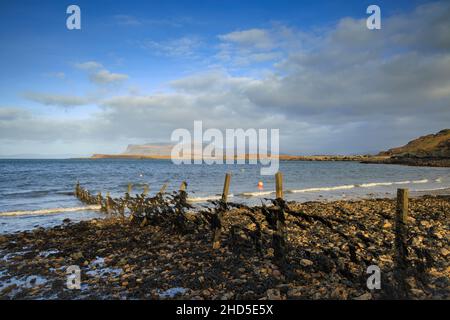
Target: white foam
{"type": "Point", "coordinates": [420, 181]}
{"type": "Point", "coordinates": [344, 187]}
{"type": "Point", "coordinates": [205, 199]}
{"type": "Point", "coordinates": [375, 184]}
{"type": "Point", "coordinates": [256, 194]}
{"type": "Point", "coordinates": [389, 183]}
{"type": "Point", "coordinates": [332, 188]}
{"type": "Point", "coordinates": [49, 211]}
{"type": "Point", "coordinates": [402, 182]}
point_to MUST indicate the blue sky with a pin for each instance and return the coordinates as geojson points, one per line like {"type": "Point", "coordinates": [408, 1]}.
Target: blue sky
{"type": "Point", "coordinates": [139, 69]}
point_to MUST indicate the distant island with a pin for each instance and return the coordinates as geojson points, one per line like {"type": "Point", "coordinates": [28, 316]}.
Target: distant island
{"type": "Point", "coordinates": [430, 150]}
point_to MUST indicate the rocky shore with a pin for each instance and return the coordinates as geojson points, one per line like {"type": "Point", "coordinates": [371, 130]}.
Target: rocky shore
{"type": "Point", "coordinates": [410, 161]}
{"type": "Point", "coordinates": [329, 247]}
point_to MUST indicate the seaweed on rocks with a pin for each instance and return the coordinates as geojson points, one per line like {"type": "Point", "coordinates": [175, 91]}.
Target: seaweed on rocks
{"type": "Point", "coordinates": [165, 246]}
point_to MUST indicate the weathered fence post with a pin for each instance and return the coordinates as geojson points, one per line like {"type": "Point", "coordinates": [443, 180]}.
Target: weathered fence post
{"type": "Point", "coordinates": [108, 203]}
{"type": "Point", "coordinates": [180, 203]}
{"type": "Point", "coordinates": [401, 249]}
{"type": "Point", "coordinates": [99, 198]}
{"type": "Point", "coordinates": [77, 189]}
{"type": "Point", "coordinates": [279, 235]}
{"type": "Point", "coordinates": [130, 188]}
{"type": "Point", "coordinates": [279, 185]}
{"type": "Point", "coordinates": [163, 189]}
{"type": "Point", "coordinates": [402, 205]}
{"type": "Point", "coordinates": [217, 218]}
{"type": "Point", "coordinates": [226, 187]}
{"type": "Point", "coordinates": [146, 188]}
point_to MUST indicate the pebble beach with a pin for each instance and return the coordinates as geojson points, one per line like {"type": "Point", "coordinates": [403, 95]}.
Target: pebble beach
{"type": "Point", "coordinates": [329, 246]}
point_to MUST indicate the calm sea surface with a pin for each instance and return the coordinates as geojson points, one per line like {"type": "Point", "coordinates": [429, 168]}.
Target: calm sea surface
{"type": "Point", "coordinates": [29, 185]}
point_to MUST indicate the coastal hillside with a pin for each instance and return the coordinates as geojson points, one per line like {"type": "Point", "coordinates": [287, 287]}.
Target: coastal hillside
{"type": "Point", "coordinates": [432, 150]}
{"type": "Point", "coordinates": [432, 145]}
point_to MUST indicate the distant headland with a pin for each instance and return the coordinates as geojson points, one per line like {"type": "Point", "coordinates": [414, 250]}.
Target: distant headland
{"type": "Point", "coordinates": [430, 150]}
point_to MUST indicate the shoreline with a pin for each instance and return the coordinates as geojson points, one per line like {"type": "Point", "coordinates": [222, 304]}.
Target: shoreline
{"type": "Point", "coordinates": [202, 200]}
{"type": "Point", "coordinates": [364, 159]}
{"type": "Point", "coordinates": [413, 162]}
{"type": "Point", "coordinates": [122, 259]}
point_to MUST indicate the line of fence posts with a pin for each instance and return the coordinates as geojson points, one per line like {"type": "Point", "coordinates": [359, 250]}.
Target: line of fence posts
{"type": "Point", "coordinates": [216, 222]}
{"type": "Point", "coordinates": [279, 234]}
{"type": "Point", "coordinates": [401, 249]}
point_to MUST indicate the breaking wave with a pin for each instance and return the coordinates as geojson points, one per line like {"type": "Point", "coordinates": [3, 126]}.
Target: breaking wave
{"type": "Point", "coordinates": [256, 194]}
{"type": "Point", "coordinates": [205, 199]}
{"type": "Point", "coordinates": [344, 187]}
{"type": "Point", "coordinates": [48, 211]}
{"type": "Point", "coordinates": [332, 188]}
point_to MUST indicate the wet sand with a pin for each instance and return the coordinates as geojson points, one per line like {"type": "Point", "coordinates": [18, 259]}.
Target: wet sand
{"type": "Point", "coordinates": [329, 247]}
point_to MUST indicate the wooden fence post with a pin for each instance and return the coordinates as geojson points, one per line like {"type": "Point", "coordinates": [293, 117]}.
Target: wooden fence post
{"type": "Point", "coordinates": [279, 185]}
{"type": "Point", "coordinates": [402, 205]}
{"type": "Point", "coordinates": [108, 204]}
{"type": "Point", "coordinates": [145, 192]}
{"type": "Point", "coordinates": [130, 188]}
{"type": "Point", "coordinates": [77, 189]}
{"type": "Point", "coordinates": [180, 204]}
{"type": "Point", "coordinates": [279, 235]}
{"type": "Point", "coordinates": [226, 187]}
{"type": "Point", "coordinates": [217, 218]}
{"type": "Point", "coordinates": [401, 248]}
{"type": "Point", "coordinates": [99, 198]}
{"type": "Point", "coordinates": [163, 189]}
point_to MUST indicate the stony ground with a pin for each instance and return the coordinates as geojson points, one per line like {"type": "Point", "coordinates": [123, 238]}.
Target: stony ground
{"type": "Point", "coordinates": [330, 246]}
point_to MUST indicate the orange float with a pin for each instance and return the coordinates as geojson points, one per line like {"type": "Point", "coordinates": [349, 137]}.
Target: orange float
{"type": "Point", "coordinates": [260, 185]}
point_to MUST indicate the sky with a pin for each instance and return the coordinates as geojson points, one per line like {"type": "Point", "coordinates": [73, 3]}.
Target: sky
{"type": "Point", "coordinates": [137, 70]}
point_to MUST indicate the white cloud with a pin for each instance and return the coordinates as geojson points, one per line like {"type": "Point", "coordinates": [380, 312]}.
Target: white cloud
{"type": "Point", "coordinates": [104, 76]}
{"type": "Point", "coordinates": [127, 20]}
{"type": "Point", "coordinates": [180, 47]}
{"type": "Point", "coordinates": [257, 38]}
{"type": "Point", "coordinates": [135, 21]}
{"type": "Point", "coordinates": [89, 65]}
{"type": "Point", "coordinates": [59, 100]}
{"type": "Point", "coordinates": [12, 113]}
{"type": "Point", "coordinates": [99, 75]}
